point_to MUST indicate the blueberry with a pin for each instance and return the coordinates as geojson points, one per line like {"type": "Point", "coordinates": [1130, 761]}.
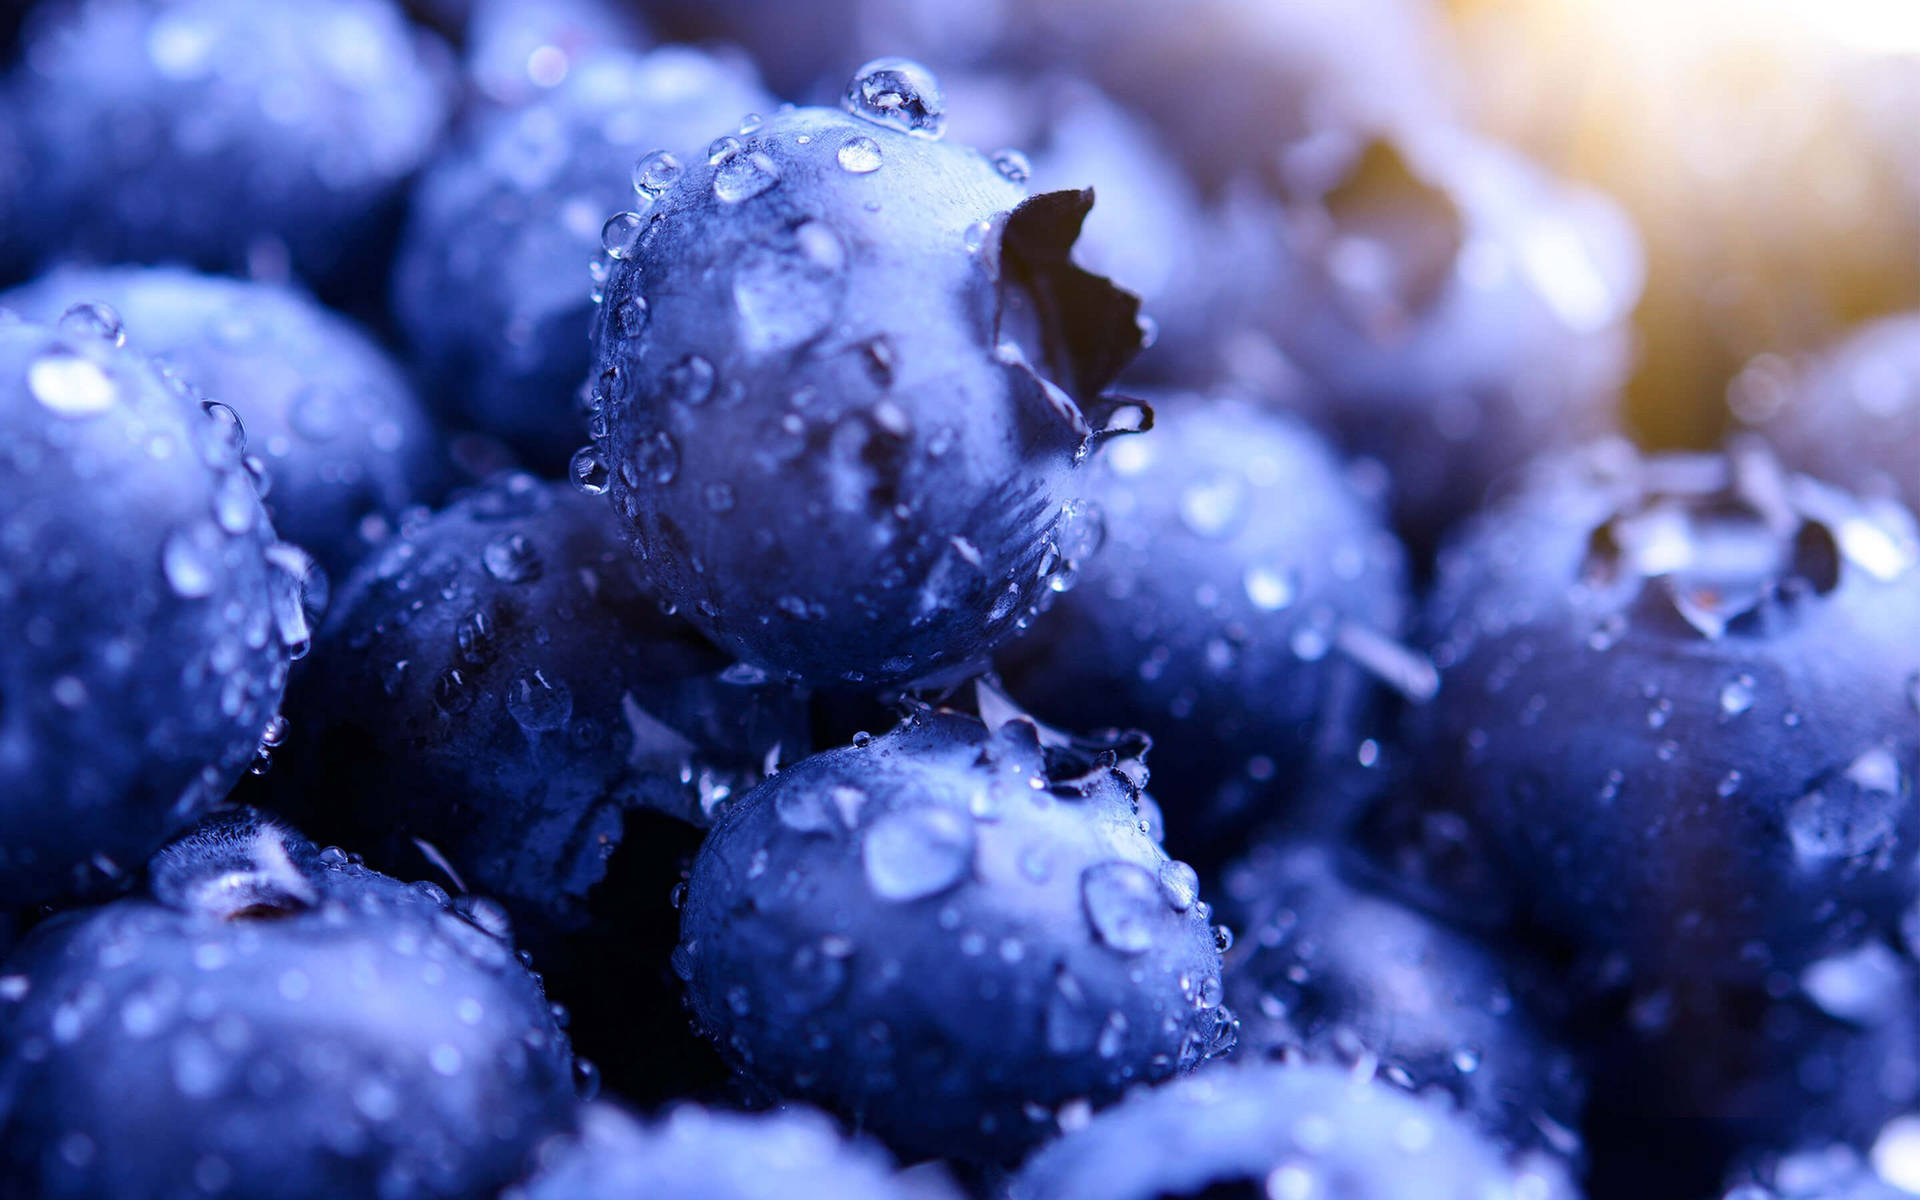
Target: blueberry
{"type": "Point", "coordinates": [1849, 414]}
{"type": "Point", "coordinates": [1269, 1130]}
{"type": "Point", "coordinates": [806, 47]}
{"type": "Point", "coordinates": [272, 1020]}
{"type": "Point", "coordinates": [1677, 699]}
{"type": "Point", "coordinates": [1690, 1078]}
{"type": "Point", "coordinates": [491, 286]}
{"type": "Point", "coordinates": [497, 682]}
{"type": "Point", "coordinates": [346, 445]}
{"type": "Point", "coordinates": [1240, 610]}
{"type": "Point", "coordinates": [151, 611]}
{"type": "Point", "coordinates": [227, 133]}
{"type": "Point", "coordinates": [843, 369]}
{"type": "Point", "coordinates": [948, 932]}
{"type": "Point", "coordinates": [1149, 232]}
{"type": "Point", "coordinates": [695, 1153]}
{"type": "Point", "coordinates": [1248, 89]}
{"type": "Point", "coordinates": [517, 50]}
{"type": "Point", "coordinates": [1345, 975]}
{"type": "Point", "coordinates": [1830, 1172]}
{"type": "Point", "coordinates": [1441, 305]}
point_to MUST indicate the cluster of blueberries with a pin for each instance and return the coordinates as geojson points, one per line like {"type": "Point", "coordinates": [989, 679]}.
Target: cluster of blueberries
{"type": "Point", "coordinates": [741, 558]}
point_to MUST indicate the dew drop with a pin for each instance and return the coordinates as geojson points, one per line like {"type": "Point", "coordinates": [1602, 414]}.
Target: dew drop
{"type": "Point", "coordinates": [900, 93]}
{"type": "Point", "coordinates": [621, 233]}
{"type": "Point", "coordinates": [917, 852]}
{"type": "Point", "coordinates": [741, 177]}
{"type": "Point", "coordinates": [860, 155]}
{"type": "Point", "coordinates": [1122, 901]}
{"type": "Point", "coordinates": [70, 385]}
{"type": "Point", "coordinates": [588, 471]}
{"type": "Point", "coordinates": [96, 321]}
{"type": "Point", "coordinates": [655, 173]}
{"type": "Point", "coordinates": [190, 559]}
{"type": "Point", "coordinates": [539, 705]}
{"type": "Point", "coordinates": [511, 558]}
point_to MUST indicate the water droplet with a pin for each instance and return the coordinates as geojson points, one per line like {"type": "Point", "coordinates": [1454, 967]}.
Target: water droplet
{"type": "Point", "coordinates": [1122, 902]}
{"type": "Point", "coordinates": [790, 292]}
{"type": "Point", "coordinates": [96, 321]}
{"type": "Point", "coordinates": [743, 176]}
{"type": "Point", "coordinates": [1271, 589]}
{"type": "Point", "coordinates": [1852, 813]}
{"type": "Point", "coordinates": [1180, 884]}
{"type": "Point", "coordinates": [658, 457]}
{"type": "Point", "coordinates": [860, 155]}
{"type": "Point", "coordinates": [917, 852]}
{"type": "Point", "coordinates": [1013, 166]}
{"type": "Point", "coordinates": [1212, 506]}
{"type": "Point", "coordinates": [621, 233]}
{"type": "Point", "coordinates": [70, 385]}
{"type": "Point", "coordinates": [1737, 696]}
{"type": "Point", "coordinates": [190, 559]}
{"type": "Point", "coordinates": [588, 471]}
{"type": "Point", "coordinates": [900, 93]}
{"type": "Point", "coordinates": [538, 704]}
{"type": "Point", "coordinates": [299, 595]}
{"type": "Point", "coordinates": [654, 173]}
{"type": "Point", "coordinates": [689, 381]}
{"type": "Point", "coordinates": [235, 503]}
{"type": "Point", "coordinates": [802, 809]}
{"type": "Point", "coordinates": [511, 558]}
{"type": "Point", "coordinates": [630, 316]}
{"type": "Point", "coordinates": [1071, 1024]}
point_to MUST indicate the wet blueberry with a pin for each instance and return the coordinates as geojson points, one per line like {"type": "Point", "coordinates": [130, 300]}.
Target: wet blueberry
{"type": "Point", "coordinates": [271, 1020]}
{"type": "Point", "coordinates": [344, 442]}
{"type": "Point", "coordinates": [948, 932]}
{"type": "Point", "coordinates": [228, 134]}
{"type": "Point", "coordinates": [150, 612]}
{"type": "Point", "coordinates": [1241, 609]}
{"type": "Point", "coordinates": [1280, 1131]}
{"type": "Point", "coordinates": [844, 377]}
{"type": "Point", "coordinates": [491, 285]}
{"type": "Point", "coordinates": [1677, 700]}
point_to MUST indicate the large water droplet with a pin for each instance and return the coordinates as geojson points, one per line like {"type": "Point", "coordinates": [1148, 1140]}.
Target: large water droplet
{"type": "Point", "coordinates": [94, 320]}
{"type": "Point", "coordinates": [743, 176]}
{"type": "Point", "coordinates": [1271, 589]}
{"type": "Point", "coordinates": [1122, 902]}
{"type": "Point", "coordinates": [299, 595]}
{"type": "Point", "coordinates": [1180, 884]}
{"type": "Point", "coordinates": [860, 155]}
{"type": "Point", "coordinates": [1852, 813]}
{"type": "Point", "coordinates": [900, 93]}
{"type": "Point", "coordinates": [539, 704]}
{"type": "Point", "coordinates": [621, 233]}
{"type": "Point", "coordinates": [789, 293]}
{"type": "Point", "coordinates": [511, 558]}
{"type": "Point", "coordinates": [917, 852]}
{"type": "Point", "coordinates": [70, 385]}
{"type": "Point", "coordinates": [656, 172]}
{"type": "Point", "coordinates": [190, 559]}
{"type": "Point", "coordinates": [588, 471]}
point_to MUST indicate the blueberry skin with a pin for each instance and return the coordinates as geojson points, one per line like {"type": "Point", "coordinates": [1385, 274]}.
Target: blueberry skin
{"type": "Point", "coordinates": [1832, 1172]}
{"type": "Point", "coordinates": [490, 286]}
{"type": "Point", "coordinates": [1149, 232]}
{"type": "Point", "coordinates": [1851, 414]}
{"type": "Point", "coordinates": [151, 611]}
{"type": "Point", "coordinates": [1237, 611]}
{"type": "Point", "coordinates": [695, 1153]}
{"type": "Point", "coordinates": [225, 133]}
{"type": "Point", "coordinates": [1328, 968]}
{"type": "Point", "coordinates": [1441, 305]}
{"type": "Point", "coordinates": [1248, 89]}
{"type": "Point", "coordinates": [1246, 1129]}
{"type": "Point", "coordinates": [346, 444]}
{"type": "Point", "coordinates": [943, 940]}
{"type": "Point", "coordinates": [273, 1021]}
{"type": "Point", "coordinates": [1689, 1079]}
{"type": "Point", "coordinates": [498, 682]}
{"type": "Point", "coordinates": [820, 401]}
{"type": "Point", "coordinates": [518, 50]}
{"type": "Point", "coordinates": [1676, 699]}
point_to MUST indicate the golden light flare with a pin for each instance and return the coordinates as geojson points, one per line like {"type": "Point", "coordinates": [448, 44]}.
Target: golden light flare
{"type": "Point", "coordinates": [1765, 148]}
